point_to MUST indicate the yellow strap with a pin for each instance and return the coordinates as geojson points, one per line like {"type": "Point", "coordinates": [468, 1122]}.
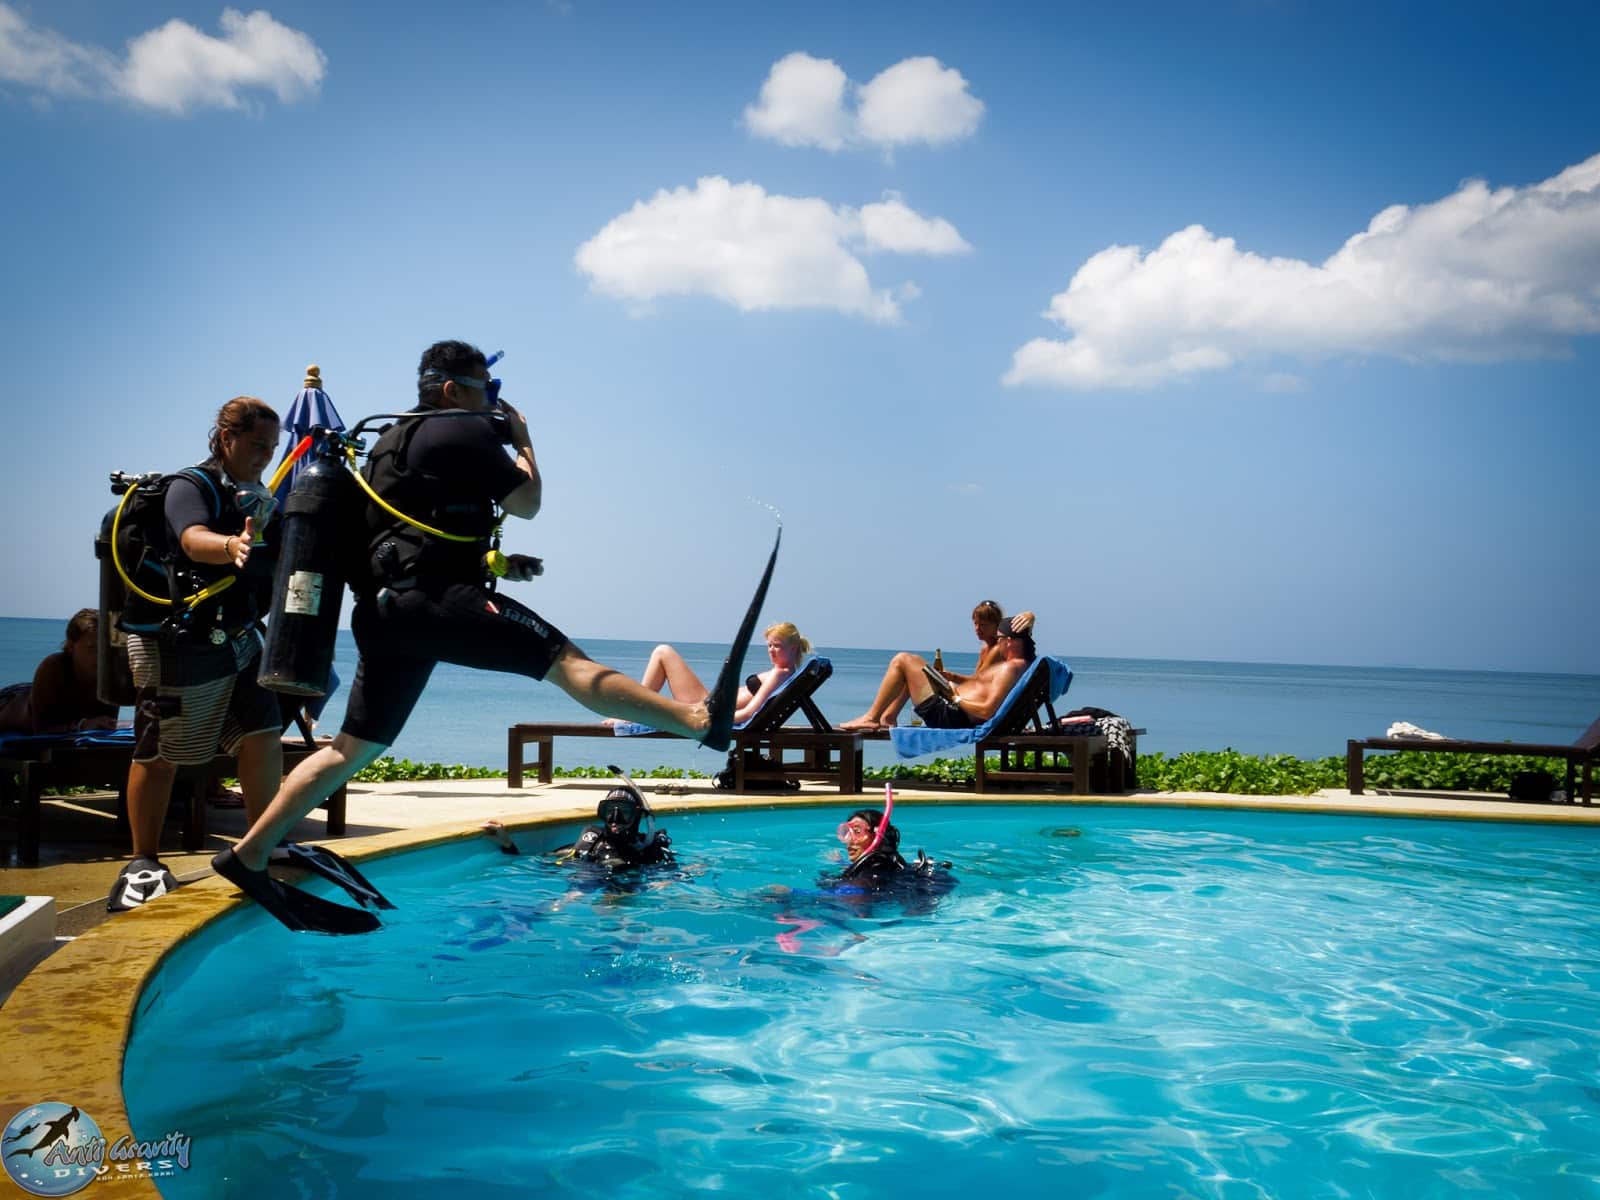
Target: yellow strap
{"type": "Point", "coordinates": [204, 593]}
{"type": "Point", "coordinates": [396, 513]}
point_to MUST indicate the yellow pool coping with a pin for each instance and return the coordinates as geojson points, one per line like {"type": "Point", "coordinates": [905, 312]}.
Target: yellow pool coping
{"type": "Point", "coordinates": [67, 1024]}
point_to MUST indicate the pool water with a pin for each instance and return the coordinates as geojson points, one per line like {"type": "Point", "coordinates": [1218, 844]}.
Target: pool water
{"type": "Point", "coordinates": [1112, 1001]}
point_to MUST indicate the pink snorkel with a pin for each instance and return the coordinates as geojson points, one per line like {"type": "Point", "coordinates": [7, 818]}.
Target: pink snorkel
{"type": "Point", "coordinates": [883, 825]}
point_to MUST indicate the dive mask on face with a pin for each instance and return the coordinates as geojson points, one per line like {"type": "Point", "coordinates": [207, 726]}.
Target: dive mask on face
{"type": "Point", "coordinates": [854, 828]}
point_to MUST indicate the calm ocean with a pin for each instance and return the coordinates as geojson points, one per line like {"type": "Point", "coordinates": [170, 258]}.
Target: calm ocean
{"type": "Point", "coordinates": [1258, 708]}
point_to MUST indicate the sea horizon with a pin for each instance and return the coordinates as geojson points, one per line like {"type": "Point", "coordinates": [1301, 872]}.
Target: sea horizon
{"type": "Point", "coordinates": [757, 642]}
{"type": "Point", "coordinates": [1308, 710]}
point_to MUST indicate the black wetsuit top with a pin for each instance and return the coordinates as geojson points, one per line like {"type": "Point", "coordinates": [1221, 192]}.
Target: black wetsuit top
{"type": "Point", "coordinates": [594, 845]}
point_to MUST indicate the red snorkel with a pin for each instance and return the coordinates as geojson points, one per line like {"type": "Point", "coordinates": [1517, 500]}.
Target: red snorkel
{"type": "Point", "coordinates": [883, 825]}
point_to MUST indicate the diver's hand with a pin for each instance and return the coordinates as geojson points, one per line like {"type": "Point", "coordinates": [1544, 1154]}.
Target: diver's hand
{"type": "Point", "coordinates": [522, 567]}
{"type": "Point", "coordinates": [241, 542]}
{"type": "Point", "coordinates": [518, 425]}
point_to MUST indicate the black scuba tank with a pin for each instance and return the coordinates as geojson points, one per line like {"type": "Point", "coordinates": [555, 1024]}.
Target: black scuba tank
{"type": "Point", "coordinates": [308, 588]}
{"type": "Point", "coordinates": [113, 676]}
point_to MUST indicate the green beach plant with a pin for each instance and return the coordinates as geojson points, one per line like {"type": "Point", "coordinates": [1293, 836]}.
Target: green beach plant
{"type": "Point", "coordinates": [1194, 771]}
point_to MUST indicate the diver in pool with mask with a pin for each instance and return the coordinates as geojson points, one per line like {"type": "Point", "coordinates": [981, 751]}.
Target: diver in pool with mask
{"type": "Point", "coordinates": [875, 873]}
{"type": "Point", "coordinates": [617, 840]}
{"type": "Point", "coordinates": [872, 844]}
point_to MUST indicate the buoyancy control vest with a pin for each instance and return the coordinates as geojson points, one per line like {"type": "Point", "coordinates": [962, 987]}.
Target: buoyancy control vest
{"type": "Point", "coordinates": [596, 845]}
{"type": "Point", "coordinates": [400, 555]}
{"type": "Point", "coordinates": [153, 559]}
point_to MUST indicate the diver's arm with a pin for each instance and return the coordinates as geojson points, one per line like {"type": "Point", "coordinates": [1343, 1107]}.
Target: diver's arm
{"type": "Point", "coordinates": [526, 498]}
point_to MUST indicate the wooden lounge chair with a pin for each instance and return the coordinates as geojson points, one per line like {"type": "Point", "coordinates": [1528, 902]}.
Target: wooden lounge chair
{"type": "Point", "coordinates": [29, 765]}
{"type": "Point", "coordinates": [1030, 728]}
{"type": "Point", "coordinates": [1582, 752]}
{"type": "Point", "coordinates": [828, 754]}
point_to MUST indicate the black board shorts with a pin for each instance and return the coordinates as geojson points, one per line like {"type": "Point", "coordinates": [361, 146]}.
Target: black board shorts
{"type": "Point", "coordinates": [402, 635]}
{"type": "Point", "coordinates": [938, 713]}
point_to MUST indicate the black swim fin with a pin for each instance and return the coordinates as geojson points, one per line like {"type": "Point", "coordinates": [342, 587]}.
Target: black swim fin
{"type": "Point", "coordinates": [335, 868]}
{"type": "Point", "coordinates": [296, 910]}
{"type": "Point", "coordinates": [724, 699]}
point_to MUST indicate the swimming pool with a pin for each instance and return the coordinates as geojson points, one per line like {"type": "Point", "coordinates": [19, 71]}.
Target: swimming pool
{"type": "Point", "coordinates": [1113, 1001]}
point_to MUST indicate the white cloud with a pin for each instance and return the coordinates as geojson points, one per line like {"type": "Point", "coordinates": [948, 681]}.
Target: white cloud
{"type": "Point", "coordinates": [805, 102]}
{"type": "Point", "coordinates": [172, 69]}
{"type": "Point", "coordinates": [802, 104]}
{"type": "Point", "coordinates": [1482, 274]}
{"type": "Point", "coordinates": [892, 226]}
{"type": "Point", "coordinates": [739, 244]}
{"type": "Point", "coordinates": [918, 100]}
{"type": "Point", "coordinates": [45, 61]}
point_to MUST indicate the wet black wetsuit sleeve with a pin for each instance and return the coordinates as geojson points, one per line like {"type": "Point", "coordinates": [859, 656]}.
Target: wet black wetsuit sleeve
{"type": "Point", "coordinates": [468, 456]}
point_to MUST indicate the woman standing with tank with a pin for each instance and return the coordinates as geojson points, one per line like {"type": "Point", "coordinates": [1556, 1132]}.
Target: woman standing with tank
{"type": "Point", "coordinates": [195, 656]}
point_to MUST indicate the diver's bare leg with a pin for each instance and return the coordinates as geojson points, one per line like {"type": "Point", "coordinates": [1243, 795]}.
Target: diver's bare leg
{"type": "Point", "coordinates": [609, 692]}
{"type": "Point", "coordinates": [260, 770]}
{"type": "Point", "coordinates": [149, 794]}
{"type": "Point", "coordinates": [308, 785]}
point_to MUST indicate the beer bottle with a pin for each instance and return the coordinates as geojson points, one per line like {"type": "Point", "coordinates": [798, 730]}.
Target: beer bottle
{"type": "Point", "coordinates": [938, 660]}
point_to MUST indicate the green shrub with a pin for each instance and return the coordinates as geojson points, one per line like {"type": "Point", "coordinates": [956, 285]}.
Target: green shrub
{"type": "Point", "coordinates": [389, 770]}
{"type": "Point", "coordinates": [1195, 771]}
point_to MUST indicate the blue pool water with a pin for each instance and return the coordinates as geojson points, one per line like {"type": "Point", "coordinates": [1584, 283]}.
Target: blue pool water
{"type": "Point", "coordinates": [1112, 1002]}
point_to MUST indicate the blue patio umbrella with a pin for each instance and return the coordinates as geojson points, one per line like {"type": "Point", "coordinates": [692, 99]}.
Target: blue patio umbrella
{"type": "Point", "coordinates": [309, 408]}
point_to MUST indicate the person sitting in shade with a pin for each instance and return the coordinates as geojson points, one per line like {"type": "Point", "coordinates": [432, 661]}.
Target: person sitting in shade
{"type": "Point", "coordinates": [62, 697]}
{"type": "Point", "coordinates": [974, 699]}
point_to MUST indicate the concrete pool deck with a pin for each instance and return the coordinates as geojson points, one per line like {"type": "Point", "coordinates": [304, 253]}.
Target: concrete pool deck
{"type": "Point", "coordinates": [67, 1021]}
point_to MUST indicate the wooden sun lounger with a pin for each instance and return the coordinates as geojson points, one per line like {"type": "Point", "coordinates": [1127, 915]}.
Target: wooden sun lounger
{"type": "Point", "coordinates": [25, 774]}
{"type": "Point", "coordinates": [1582, 752]}
{"type": "Point", "coordinates": [1031, 727]}
{"type": "Point", "coordinates": [826, 754]}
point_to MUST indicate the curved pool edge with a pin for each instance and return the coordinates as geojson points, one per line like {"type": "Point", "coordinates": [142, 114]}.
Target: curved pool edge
{"type": "Point", "coordinates": [67, 1024]}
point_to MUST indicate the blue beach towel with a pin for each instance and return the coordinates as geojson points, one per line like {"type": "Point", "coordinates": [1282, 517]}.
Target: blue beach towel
{"type": "Point", "coordinates": [630, 729]}
{"type": "Point", "coordinates": [914, 740]}
{"type": "Point", "coordinates": [22, 744]}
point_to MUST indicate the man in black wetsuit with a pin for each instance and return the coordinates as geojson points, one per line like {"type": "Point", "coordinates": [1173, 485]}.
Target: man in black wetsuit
{"type": "Point", "coordinates": [423, 599]}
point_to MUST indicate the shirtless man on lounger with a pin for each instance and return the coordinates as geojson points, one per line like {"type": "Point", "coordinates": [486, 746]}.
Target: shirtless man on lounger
{"type": "Point", "coordinates": [987, 621]}
{"type": "Point", "coordinates": [973, 703]}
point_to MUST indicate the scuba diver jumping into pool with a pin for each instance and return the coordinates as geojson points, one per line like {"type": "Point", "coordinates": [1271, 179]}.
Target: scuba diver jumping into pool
{"type": "Point", "coordinates": [421, 525]}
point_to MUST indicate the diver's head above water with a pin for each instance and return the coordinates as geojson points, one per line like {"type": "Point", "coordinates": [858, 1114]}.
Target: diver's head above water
{"type": "Point", "coordinates": [620, 812]}
{"type": "Point", "coordinates": [861, 829]}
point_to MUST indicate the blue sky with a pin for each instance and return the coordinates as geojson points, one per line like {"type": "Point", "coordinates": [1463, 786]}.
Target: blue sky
{"type": "Point", "coordinates": [1246, 331]}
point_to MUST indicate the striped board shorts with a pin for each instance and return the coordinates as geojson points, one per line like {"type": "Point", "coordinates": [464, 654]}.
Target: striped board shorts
{"type": "Point", "coordinates": [185, 726]}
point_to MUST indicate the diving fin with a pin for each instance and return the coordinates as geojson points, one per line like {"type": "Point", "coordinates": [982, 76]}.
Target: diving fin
{"type": "Point", "coordinates": [335, 868]}
{"type": "Point", "coordinates": [724, 698]}
{"type": "Point", "coordinates": [294, 909]}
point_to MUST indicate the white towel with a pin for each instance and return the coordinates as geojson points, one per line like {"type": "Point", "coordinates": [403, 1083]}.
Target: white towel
{"type": "Point", "coordinates": [1406, 730]}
